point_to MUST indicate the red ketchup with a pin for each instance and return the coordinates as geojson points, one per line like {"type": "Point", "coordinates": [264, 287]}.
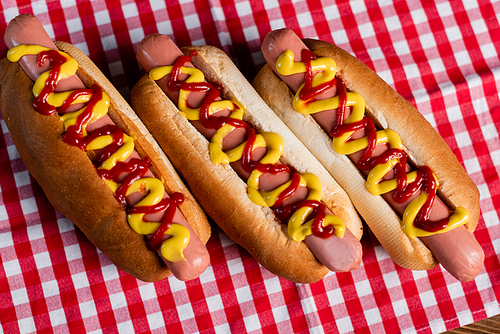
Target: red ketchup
{"type": "Point", "coordinates": [284, 212]}
{"type": "Point", "coordinates": [425, 179]}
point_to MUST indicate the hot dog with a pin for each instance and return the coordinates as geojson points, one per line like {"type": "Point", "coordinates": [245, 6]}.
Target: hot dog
{"type": "Point", "coordinates": [397, 133]}
{"type": "Point", "coordinates": [209, 160]}
{"type": "Point", "coordinates": [96, 162]}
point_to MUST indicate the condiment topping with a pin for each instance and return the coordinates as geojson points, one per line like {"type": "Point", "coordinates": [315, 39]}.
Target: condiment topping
{"type": "Point", "coordinates": [320, 77]}
{"type": "Point", "coordinates": [111, 149]}
{"type": "Point", "coordinates": [306, 217]}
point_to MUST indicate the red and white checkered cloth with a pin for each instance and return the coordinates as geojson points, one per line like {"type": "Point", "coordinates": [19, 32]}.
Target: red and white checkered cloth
{"type": "Point", "coordinates": [443, 57]}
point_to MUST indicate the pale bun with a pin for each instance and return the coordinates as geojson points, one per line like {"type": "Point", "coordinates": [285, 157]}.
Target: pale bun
{"type": "Point", "coordinates": [69, 179]}
{"type": "Point", "coordinates": [389, 110]}
{"type": "Point", "coordinates": [218, 188]}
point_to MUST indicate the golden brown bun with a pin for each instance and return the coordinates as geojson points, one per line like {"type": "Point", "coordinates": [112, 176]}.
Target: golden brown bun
{"type": "Point", "coordinates": [218, 188]}
{"type": "Point", "coordinates": [422, 143]}
{"type": "Point", "coordinates": [69, 179]}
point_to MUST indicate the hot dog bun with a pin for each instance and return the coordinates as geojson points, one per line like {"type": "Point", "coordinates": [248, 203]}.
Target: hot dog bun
{"type": "Point", "coordinates": [219, 189]}
{"type": "Point", "coordinates": [421, 142]}
{"type": "Point", "coordinates": [70, 180]}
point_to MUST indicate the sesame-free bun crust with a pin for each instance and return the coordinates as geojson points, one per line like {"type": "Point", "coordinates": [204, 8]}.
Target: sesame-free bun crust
{"type": "Point", "coordinates": [218, 188]}
{"type": "Point", "coordinates": [70, 180]}
{"type": "Point", "coordinates": [389, 110]}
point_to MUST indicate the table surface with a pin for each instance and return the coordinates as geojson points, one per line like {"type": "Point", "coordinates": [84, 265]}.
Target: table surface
{"type": "Point", "coordinates": [442, 56]}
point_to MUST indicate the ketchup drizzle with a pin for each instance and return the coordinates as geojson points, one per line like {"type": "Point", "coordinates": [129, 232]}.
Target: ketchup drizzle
{"type": "Point", "coordinates": [425, 180]}
{"type": "Point", "coordinates": [133, 170]}
{"type": "Point", "coordinates": [248, 165]}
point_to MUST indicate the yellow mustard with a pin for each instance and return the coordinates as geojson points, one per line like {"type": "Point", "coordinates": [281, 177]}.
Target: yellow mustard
{"type": "Point", "coordinates": [172, 249]}
{"type": "Point", "coordinates": [298, 228]}
{"type": "Point", "coordinates": [325, 70]}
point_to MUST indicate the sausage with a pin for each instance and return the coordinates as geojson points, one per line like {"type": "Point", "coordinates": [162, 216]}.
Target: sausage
{"type": "Point", "coordinates": [337, 254]}
{"type": "Point", "coordinates": [26, 29]}
{"type": "Point", "coordinates": [457, 250]}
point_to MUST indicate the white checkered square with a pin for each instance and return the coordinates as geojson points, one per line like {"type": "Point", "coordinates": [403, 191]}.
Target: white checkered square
{"type": "Point", "coordinates": [12, 152]}
{"type": "Point", "coordinates": [80, 280]}
{"type": "Point", "coordinates": [358, 7]}
{"type": "Point", "coordinates": [19, 296]}
{"type": "Point", "coordinates": [491, 218]}
{"type": "Point", "coordinates": [65, 225]}
{"type": "Point", "coordinates": [372, 316]}
{"type": "Point", "coordinates": [280, 313]}
{"type": "Point", "coordinates": [214, 303]}
{"type": "Point", "coordinates": [472, 165]}
{"type": "Point", "coordinates": [470, 4]}
{"type": "Point", "coordinates": [308, 305]}
{"type": "Point", "coordinates": [243, 8]}
{"type": "Point", "coordinates": [270, 4]}
{"type": "Point", "coordinates": [335, 297]}
{"type": "Point", "coordinates": [35, 232]}
{"type": "Point", "coordinates": [117, 300]}
{"type": "Point", "coordinates": [411, 71]}
{"type": "Point", "coordinates": [277, 24]}
{"type": "Point", "coordinates": [480, 105]}
{"type": "Point", "coordinates": [50, 288]}
{"type": "Point", "coordinates": [74, 25]}
{"type": "Point", "coordinates": [88, 309]}
{"type": "Point", "coordinates": [136, 35]}
{"type": "Point", "coordinates": [27, 325]}
{"type": "Point", "coordinates": [363, 288]}
{"type": "Point", "coordinates": [155, 320]}
{"type": "Point", "coordinates": [438, 325]}
{"type": "Point", "coordinates": [147, 291]}
{"type": "Point", "coordinates": [331, 12]}
{"type": "Point", "coordinates": [125, 327]}
{"type": "Point", "coordinates": [444, 9]}
{"type": "Point", "coordinates": [376, 53]}
{"type": "Point", "coordinates": [218, 14]}
{"type": "Point", "coordinates": [243, 294]}
{"type": "Point", "coordinates": [484, 191]}
{"type": "Point", "coordinates": [251, 33]}
{"type": "Point", "coordinates": [489, 131]}
{"type": "Point", "coordinates": [252, 322]}
{"type": "Point", "coordinates": [366, 30]}
{"type": "Point", "coordinates": [400, 307]}
{"type": "Point", "coordinates": [462, 58]}
{"type": "Point", "coordinates": [456, 290]}
{"type": "Point", "coordinates": [463, 139]}
{"type": "Point", "coordinates": [109, 43]}
{"type": "Point", "coordinates": [102, 17]}
{"type": "Point", "coordinates": [428, 298]}
{"type": "Point", "coordinates": [454, 113]}
{"type": "Point", "coordinates": [130, 10]}
{"type": "Point", "coordinates": [418, 16]}
{"type": "Point", "coordinates": [39, 7]}
{"type": "Point", "coordinates": [192, 21]}
{"type": "Point", "coordinates": [427, 41]}
{"type": "Point", "coordinates": [28, 205]}
{"type": "Point", "coordinates": [73, 252]}
{"type": "Point", "coordinates": [68, 3]}
{"type": "Point", "coordinates": [391, 279]}
{"type": "Point", "coordinates": [392, 23]}
{"type": "Point", "coordinates": [344, 325]}
{"type": "Point", "coordinates": [42, 260]}
{"type": "Point", "coordinates": [235, 266]}
{"type": "Point", "coordinates": [185, 311]}
{"type": "Point", "coordinates": [157, 5]}
{"type": "Point", "coordinates": [12, 268]}
{"type": "Point", "coordinates": [57, 317]}
{"type": "Point", "coordinates": [176, 285]}
{"type": "Point", "coordinates": [22, 178]}
{"type": "Point", "coordinates": [10, 13]}
{"type": "Point", "coordinates": [304, 19]}
{"type": "Point", "coordinates": [436, 65]}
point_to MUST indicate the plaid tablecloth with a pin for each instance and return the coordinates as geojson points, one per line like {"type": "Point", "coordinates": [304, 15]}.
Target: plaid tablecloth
{"type": "Point", "coordinates": [443, 57]}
